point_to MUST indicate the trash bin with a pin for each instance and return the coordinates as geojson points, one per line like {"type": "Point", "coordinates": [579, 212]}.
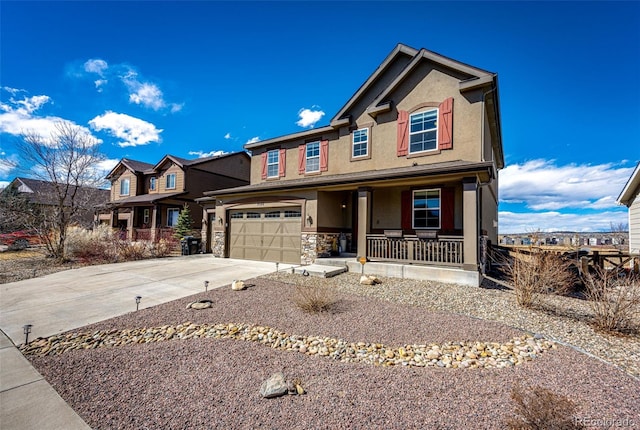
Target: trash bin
{"type": "Point", "coordinates": [185, 243]}
{"type": "Point", "coordinates": [194, 245]}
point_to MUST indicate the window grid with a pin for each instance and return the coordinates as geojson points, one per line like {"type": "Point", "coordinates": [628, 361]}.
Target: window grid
{"type": "Point", "coordinates": [426, 209]}
{"type": "Point", "coordinates": [274, 214]}
{"type": "Point", "coordinates": [273, 170]}
{"type": "Point", "coordinates": [423, 131]}
{"type": "Point", "coordinates": [361, 142]}
{"type": "Point", "coordinates": [292, 214]}
{"type": "Point", "coordinates": [313, 157]}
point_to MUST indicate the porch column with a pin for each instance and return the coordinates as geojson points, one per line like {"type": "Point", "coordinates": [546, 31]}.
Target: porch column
{"type": "Point", "coordinates": [153, 223]}
{"type": "Point", "coordinates": [364, 219]}
{"type": "Point", "coordinates": [470, 223]}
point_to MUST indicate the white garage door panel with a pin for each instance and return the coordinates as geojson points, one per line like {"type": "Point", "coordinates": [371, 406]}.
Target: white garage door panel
{"type": "Point", "coordinates": [254, 235]}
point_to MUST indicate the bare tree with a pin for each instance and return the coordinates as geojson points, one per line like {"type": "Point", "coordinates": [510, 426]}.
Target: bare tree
{"type": "Point", "coordinates": [68, 159]}
{"type": "Point", "coordinates": [620, 234]}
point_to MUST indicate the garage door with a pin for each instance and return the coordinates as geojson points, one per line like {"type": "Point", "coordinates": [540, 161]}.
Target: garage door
{"type": "Point", "coordinates": [265, 235]}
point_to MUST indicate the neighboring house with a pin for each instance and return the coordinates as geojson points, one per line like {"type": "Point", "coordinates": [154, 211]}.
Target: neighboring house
{"type": "Point", "coordinates": [44, 194]}
{"type": "Point", "coordinates": [406, 172]}
{"type": "Point", "coordinates": [630, 197]}
{"type": "Point", "coordinates": [146, 199]}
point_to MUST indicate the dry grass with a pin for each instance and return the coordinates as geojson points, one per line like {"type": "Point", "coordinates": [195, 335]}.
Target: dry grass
{"type": "Point", "coordinates": [541, 409]}
{"type": "Point", "coordinates": [615, 300]}
{"type": "Point", "coordinates": [314, 299]}
{"type": "Point", "coordinates": [537, 273]}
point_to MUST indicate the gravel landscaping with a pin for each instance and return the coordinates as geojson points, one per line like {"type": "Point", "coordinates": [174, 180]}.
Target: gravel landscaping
{"type": "Point", "coordinates": [200, 382]}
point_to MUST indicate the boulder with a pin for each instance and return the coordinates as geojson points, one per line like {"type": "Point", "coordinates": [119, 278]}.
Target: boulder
{"type": "Point", "coordinates": [369, 280]}
{"type": "Point", "coordinates": [238, 285]}
{"type": "Point", "coordinates": [275, 386]}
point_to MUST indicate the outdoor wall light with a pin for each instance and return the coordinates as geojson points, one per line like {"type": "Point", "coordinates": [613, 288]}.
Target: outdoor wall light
{"type": "Point", "coordinates": [138, 301]}
{"type": "Point", "coordinates": [206, 285]}
{"type": "Point", "coordinates": [309, 220]}
{"type": "Point", "coordinates": [26, 329]}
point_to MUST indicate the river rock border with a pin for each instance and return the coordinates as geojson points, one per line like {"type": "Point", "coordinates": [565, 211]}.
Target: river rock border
{"type": "Point", "coordinates": [445, 355]}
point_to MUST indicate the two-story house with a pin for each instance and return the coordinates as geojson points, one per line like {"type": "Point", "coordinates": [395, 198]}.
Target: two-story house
{"type": "Point", "coordinates": [146, 199]}
{"type": "Point", "coordinates": [405, 172]}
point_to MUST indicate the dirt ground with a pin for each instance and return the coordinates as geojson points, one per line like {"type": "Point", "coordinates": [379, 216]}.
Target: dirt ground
{"type": "Point", "coordinates": [28, 263]}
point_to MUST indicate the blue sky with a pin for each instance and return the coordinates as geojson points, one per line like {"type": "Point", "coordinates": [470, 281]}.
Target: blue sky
{"type": "Point", "coordinates": [196, 78]}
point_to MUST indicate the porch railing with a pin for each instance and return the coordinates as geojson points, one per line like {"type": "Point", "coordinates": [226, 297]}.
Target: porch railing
{"type": "Point", "coordinates": [445, 250]}
{"type": "Point", "coordinates": [147, 233]}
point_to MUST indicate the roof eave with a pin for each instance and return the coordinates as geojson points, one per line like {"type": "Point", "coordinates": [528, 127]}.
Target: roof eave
{"type": "Point", "coordinates": [289, 137]}
{"type": "Point", "coordinates": [631, 187]}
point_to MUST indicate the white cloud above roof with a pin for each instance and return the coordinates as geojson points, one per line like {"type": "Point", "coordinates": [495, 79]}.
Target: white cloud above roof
{"type": "Point", "coordinates": [253, 140]}
{"type": "Point", "coordinates": [130, 130]}
{"type": "Point", "coordinates": [542, 185]}
{"type": "Point", "coordinates": [309, 117]}
{"type": "Point", "coordinates": [19, 117]}
{"type": "Point", "coordinates": [201, 154]}
{"type": "Point", "coordinates": [96, 66]}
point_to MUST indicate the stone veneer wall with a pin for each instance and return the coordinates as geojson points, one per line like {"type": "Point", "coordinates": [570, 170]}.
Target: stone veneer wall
{"type": "Point", "coordinates": [308, 242]}
{"type": "Point", "coordinates": [217, 245]}
{"type": "Point", "coordinates": [320, 245]}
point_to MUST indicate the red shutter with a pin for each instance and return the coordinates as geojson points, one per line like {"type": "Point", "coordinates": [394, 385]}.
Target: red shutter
{"type": "Point", "coordinates": [445, 124]}
{"type": "Point", "coordinates": [264, 165]}
{"type": "Point", "coordinates": [302, 158]}
{"type": "Point", "coordinates": [324, 155]}
{"type": "Point", "coordinates": [403, 133]}
{"type": "Point", "coordinates": [406, 211]}
{"type": "Point", "coordinates": [447, 205]}
{"type": "Point", "coordinates": [282, 163]}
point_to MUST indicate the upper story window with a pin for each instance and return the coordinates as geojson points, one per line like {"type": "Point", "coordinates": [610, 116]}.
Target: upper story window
{"type": "Point", "coordinates": [426, 209]}
{"type": "Point", "coordinates": [171, 181]}
{"type": "Point", "coordinates": [313, 157]}
{"type": "Point", "coordinates": [273, 166]}
{"type": "Point", "coordinates": [360, 143]}
{"type": "Point", "coordinates": [152, 183]}
{"type": "Point", "coordinates": [423, 131]}
{"type": "Point", "coordinates": [124, 187]}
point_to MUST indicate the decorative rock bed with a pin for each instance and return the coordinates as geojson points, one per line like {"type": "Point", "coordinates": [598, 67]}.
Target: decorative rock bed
{"type": "Point", "coordinates": [445, 355]}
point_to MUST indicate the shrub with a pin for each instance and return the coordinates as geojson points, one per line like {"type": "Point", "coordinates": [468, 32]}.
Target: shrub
{"type": "Point", "coordinates": [162, 248]}
{"type": "Point", "coordinates": [614, 299]}
{"type": "Point", "coordinates": [537, 273]}
{"type": "Point", "coordinates": [128, 251]}
{"type": "Point", "coordinates": [314, 299]}
{"type": "Point", "coordinates": [90, 245]}
{"type": "Point", "coordinates": [542, 409]}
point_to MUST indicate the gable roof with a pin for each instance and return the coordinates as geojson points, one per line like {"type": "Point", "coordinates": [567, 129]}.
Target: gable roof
{"type": "Point", "coordinates": [631, 188]}
{"type": "Point", "coordinates": [44, 192]}
{"type": "Point", "coordinates": [133, 165]}
{"type": "Point", "coordinates": [475, 78]}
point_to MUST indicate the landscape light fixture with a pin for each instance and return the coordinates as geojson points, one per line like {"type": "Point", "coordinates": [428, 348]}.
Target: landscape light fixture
{"type": "Point", "coordinates": [138, 302]}
{"type": "Point", "coordinates": [206, 285]}
{"type": "Point", "coordinates": [277, 264]}
{"type": "Point", "coordinates": [26, 329]}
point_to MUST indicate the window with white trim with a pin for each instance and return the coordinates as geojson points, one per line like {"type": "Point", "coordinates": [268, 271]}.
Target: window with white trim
{"type": "Point", "coordinates": [313, 157]}
{"type": "Point", "coordinates": [152, 183]}
{"type": "Point", "coordinates": [171, 181]}
{"type": "Point", "coordinates": [124, 187]}
{"type": "Point", "coordinates": [273, 168]}
{"type": "Point", "coordinates": [172, 217]}
{"type": "Point", "coordinates": [360, 143]}
{"type": "Point", "coordinates": [426, 209]}
{"type": "Point", "coordinates": [423, 131]}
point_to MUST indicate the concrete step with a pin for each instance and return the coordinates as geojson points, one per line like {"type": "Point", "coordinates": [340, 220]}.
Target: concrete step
{"type": "Point", "coordinates": [320, 270]}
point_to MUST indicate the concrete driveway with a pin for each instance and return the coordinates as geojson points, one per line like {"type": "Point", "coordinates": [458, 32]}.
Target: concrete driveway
{"type": "Point", "coordinates": [73, 298]}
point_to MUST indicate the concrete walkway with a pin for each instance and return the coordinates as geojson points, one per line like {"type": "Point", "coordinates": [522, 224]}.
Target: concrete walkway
{"type": "Point", "coordinates": [74, 298]}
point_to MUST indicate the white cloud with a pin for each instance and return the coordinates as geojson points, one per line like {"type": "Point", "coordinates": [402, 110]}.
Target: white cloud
{"type": "Point", "coordinates": [542, 185]}
{"type": "Point", "coordinates": [253, 140]}
{"type": "Point", "coordinates": [227, 136]}
{"type": "Point", "coordinates": [309, 117]}
{"type": "Point", "coordinates": [201, 154]}
{"type": "Point", "coordinates": [97, 66]}
{"type": "Point", "coordinates": [132, 131]}
{"type": "Point", "coordinates": [4, 184]}
{"type": "Point", "coordinates": [146, 94]}
{"type": "Point", "coordinates": [100, 83]}
{"type": "Point", "coordinates": [18, 117]}
{"type": "Point", "coordinates": [512, 222]}
{"type": "Point", "coordinates": [176, 107]}
{"type": "Point", "coordinates": [12, 91]}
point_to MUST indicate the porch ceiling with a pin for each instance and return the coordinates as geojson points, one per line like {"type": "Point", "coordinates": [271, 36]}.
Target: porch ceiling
{"type": "Point", "coordinates": [456, 168]}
